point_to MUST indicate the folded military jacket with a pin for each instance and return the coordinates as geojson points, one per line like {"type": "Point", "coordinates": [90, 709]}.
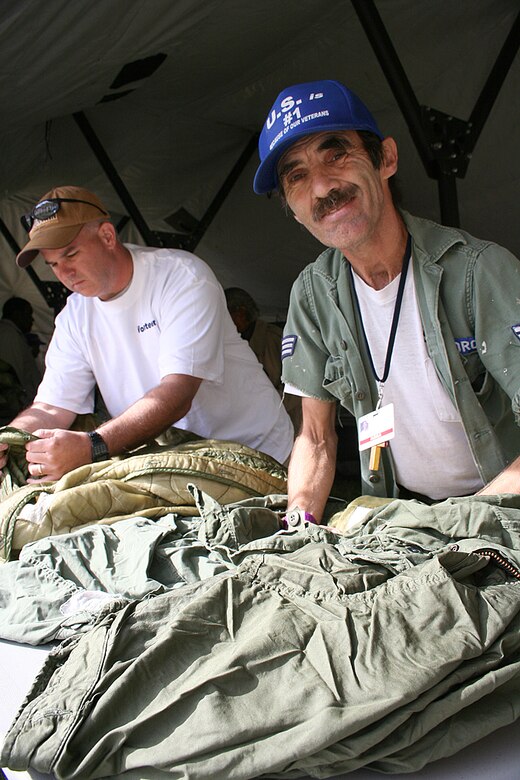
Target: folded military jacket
{"type": "Point", "coordinates": [151, 483]}
{"type": "Point", "coordinates": [220, 646]}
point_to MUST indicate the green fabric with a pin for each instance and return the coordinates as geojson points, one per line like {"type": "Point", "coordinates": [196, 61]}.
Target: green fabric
{"type": "Point", "coordinates": [15, 472]}
{"type": "Point", "coordinates": [309, 652]}
{"type": "Point", "coordinates": [58, 584]}
{"type": "Point", "coordinates": [152, 483]}
{"type": "Point", "coordinates": [460, 283]}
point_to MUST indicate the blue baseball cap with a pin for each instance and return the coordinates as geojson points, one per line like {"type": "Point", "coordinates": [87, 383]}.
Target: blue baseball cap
{"type": "Point", "coordinates": [302, 110]}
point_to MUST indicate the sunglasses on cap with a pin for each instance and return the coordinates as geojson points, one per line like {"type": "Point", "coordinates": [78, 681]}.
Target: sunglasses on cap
{"type": "Point", "coordinates": [48, 208]}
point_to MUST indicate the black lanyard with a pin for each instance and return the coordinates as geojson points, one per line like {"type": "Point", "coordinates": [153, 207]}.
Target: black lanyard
{"type": "Point", "coordinates": [395, 318]}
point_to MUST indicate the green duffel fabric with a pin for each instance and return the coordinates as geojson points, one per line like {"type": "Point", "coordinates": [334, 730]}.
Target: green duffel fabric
{"type": "Point", "coordinates": [308, 651]}
{"type": "Point", "coordinates": [150, 483]}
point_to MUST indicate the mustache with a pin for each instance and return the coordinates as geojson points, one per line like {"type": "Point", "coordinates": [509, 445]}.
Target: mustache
{"type": "Point", "coordinates": [334, 200]}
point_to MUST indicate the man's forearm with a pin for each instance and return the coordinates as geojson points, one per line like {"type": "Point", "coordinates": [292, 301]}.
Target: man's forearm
{"type": "Point", "coordinates": [508, 481]}
{"type": "Point", "coordinates": [40, 415]}
{"type": "Point", "coordinates": [57, 451]}
{"type": "Point", "coordinates": [152, 414]}
{"type": "Point", "coordinates": [311, 474]}
{"type": "Point", "coordinates": [137, 425]}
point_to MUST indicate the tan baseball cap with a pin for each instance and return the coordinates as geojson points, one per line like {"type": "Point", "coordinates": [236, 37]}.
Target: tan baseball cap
{"type": "Point", "coordinates": [57, 219]}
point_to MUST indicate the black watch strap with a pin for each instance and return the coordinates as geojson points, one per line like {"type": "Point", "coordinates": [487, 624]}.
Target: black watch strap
{"type": "Point", "coordinates": [99, 448]}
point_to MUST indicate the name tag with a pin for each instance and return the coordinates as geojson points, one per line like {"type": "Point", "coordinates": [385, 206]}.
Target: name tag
{"type": "Point", "coordinates": [376, 427]}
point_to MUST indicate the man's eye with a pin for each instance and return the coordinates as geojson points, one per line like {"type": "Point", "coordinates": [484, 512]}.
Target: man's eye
{"type": "Point", "coordinates": [295, 176]}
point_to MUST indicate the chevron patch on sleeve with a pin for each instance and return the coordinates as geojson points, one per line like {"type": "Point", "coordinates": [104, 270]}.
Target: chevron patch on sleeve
{"type": "Point", "coordinates": [288, 346]}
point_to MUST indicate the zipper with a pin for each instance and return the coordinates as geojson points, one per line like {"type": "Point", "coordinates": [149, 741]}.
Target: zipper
{"type": "Point", "coordinates": [500, 560]}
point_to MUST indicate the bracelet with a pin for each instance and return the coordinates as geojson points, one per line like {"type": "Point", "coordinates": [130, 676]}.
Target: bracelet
{"type": "Point", "coordinates": [297, 517]}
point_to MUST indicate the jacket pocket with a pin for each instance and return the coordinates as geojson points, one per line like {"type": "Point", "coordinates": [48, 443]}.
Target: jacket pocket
{"type": "Point", "coordinates": [479, 378]}
{"type": "Point", "coordinates": [334, 381]}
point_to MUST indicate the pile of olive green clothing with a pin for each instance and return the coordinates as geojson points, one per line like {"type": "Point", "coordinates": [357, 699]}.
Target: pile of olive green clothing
{"type": "Point", "coordinates": [242, 651]}
{"type": "Point", "coordinates": [152, 482]}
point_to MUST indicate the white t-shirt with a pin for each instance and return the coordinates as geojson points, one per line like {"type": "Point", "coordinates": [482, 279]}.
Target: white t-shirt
{"type": "Point", "coordinates": [172, 319]}
{"type": "Point", "coordinates": [430, 449]}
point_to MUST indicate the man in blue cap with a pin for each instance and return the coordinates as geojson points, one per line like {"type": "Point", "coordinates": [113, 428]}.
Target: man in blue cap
{"type": "Point", "coordinates": [412, 326]}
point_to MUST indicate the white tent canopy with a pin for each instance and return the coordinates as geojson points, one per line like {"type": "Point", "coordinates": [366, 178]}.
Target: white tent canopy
{"type": "Point", "coordinates": [199, 79]}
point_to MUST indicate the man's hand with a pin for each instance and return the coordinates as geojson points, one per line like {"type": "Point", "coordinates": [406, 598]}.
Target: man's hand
{"type": "Point", "coordinates": [36, 417]}
{"type": "Point", "coordinates": [55, 453]}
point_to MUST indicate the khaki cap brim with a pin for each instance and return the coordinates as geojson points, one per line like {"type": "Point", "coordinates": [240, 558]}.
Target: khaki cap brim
{"type": "Point", "coordinates": [49, 238]}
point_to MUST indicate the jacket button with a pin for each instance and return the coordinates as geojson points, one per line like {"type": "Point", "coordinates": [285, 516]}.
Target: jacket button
{"type": "Point", "coordinates": [360, 395]}
{"type": "Point", "coordinates": [343, 344]}
{"type": "Point", "coordinates": [373, 478]}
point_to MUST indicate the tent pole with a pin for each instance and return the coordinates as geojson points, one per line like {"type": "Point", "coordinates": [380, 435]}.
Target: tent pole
{"type": "Point", "coordinates": [444, 143]}
{"type": "Point", "coordinates": [194, 238]}
{"type": "Point", "coordinates": [53, 293]}
{"type": "Point", "coordinates": [449, 203]}
{"type": "Point", "coordinates": [393, 70]}
{"type": "Point", "coordinates": [84, 125]}
{"type": "Point", "coordinates": [493, 84]}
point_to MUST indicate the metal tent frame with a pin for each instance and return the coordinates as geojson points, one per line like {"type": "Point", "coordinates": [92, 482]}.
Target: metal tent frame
{"type": "Point", "coordinates": [445, 143]}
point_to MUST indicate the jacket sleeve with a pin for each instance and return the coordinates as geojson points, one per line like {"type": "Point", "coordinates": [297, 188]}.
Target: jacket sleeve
{"type": "Point", "coordinates": [304, 354]}
{"type": "Point", "coordinates": [496, 298]}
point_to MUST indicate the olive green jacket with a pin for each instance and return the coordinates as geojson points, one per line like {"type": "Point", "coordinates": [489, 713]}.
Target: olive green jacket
{"type": "Point", "coordinates": [467, 291]}
{"type": "Point", "coordinates": [222, 648]}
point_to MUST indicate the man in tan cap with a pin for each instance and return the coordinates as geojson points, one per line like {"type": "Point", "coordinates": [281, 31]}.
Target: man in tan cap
{"type": "Point", "coordinates": [149, 327]}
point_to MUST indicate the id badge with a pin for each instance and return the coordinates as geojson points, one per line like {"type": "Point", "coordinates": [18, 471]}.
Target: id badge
{"type": "Point", "coordinates": [376, 427]}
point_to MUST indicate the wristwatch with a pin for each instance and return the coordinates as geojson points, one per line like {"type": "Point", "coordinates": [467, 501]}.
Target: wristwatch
{"type": "Point", "coordinates": [99, 448]}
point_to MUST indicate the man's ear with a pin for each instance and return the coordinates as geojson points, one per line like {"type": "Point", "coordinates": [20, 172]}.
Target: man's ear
{"type": "Point", "coordinates": [390, 157]}
{"type": "Point", "coordinates": [107, 233]}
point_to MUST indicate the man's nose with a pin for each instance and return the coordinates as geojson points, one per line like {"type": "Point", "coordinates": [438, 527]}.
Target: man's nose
{"type": "Point", "coordinates": [64, 272]}
{"type": "Point", "coordinates": [323, 181]}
